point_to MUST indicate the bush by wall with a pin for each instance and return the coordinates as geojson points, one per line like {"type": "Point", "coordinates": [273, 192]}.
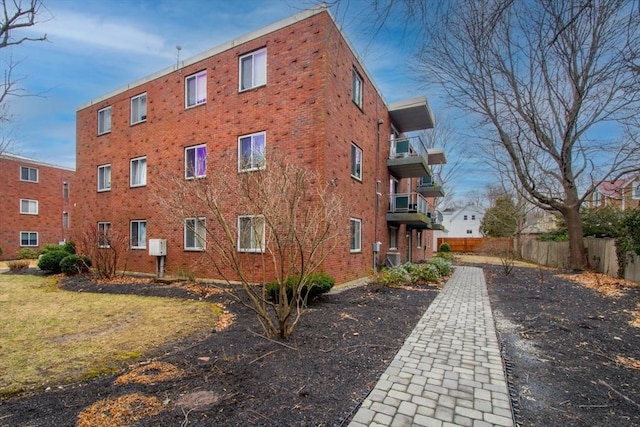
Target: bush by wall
{"type": "Point", "coordinates": [74, 264]}
{"type": "Point", "coordinates": [317, 284]}
{"type": "Point", "coordinates": [26, 253]}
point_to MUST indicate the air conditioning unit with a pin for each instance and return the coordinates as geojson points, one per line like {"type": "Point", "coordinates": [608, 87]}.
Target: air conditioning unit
{"type": "Point", "coordinates": [393, 259]}
{"type": "Point", "coordinates": [157, 247]}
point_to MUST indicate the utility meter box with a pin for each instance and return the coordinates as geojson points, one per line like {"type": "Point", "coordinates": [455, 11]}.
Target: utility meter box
{"type": "Point", "coordinates": [157, 247]}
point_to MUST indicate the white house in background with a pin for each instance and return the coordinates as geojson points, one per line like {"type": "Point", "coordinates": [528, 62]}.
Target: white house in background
{"type": "Point", "coordinates": [461, 222]}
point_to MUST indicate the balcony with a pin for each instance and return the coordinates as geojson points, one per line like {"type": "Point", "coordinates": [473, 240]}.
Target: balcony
{"type": "Point", "coordinates": [429, 186]}
{"type": "Point", "coordinates": [408, 158]}
{"type": "Point", "coordinates": [436, 220]}
{"type": "Point", "coordinates": [408, 208]}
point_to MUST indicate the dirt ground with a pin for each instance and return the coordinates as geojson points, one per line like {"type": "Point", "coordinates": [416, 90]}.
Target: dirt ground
{"type": "Point", "coordinates": [571, 344]}
{"type": "Point", "coordinates": [571, 351]}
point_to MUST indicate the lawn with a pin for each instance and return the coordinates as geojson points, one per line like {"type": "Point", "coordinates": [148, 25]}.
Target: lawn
{"type": "Point", "coordinates": [49, 336]}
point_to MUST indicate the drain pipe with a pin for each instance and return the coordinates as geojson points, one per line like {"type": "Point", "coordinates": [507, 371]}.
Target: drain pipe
{"type": "Point", "coordinates": [376, 243]}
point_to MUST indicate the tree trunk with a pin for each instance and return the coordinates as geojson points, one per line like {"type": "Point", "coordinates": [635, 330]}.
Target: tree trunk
{"type": "Point", "coordinates": [577, 253]}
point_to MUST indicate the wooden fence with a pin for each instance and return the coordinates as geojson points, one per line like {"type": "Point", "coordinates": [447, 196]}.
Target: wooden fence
{"type": "Point", "coordinates": [473, 244]}
{"type": "Point", "coordinates": [601, 256]}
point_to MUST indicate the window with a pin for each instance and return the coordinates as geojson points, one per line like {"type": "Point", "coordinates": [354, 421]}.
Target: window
{"type": "Point", "coordinates": [357, 89]}
{"type": "Point", "coordinates": [104, 178]}
{"type": "Point", "coordinates": [138, 108]}
{"type": "Point", "coordinates": [473, 217]}
{"type": "Point", "coordinates": [28, 174]}
{"type": "Point", "coordinates": [103, 234]}
{"type": "Point", "coordinates": [469, 231]}
{"type": "Point", "coordinates": [104, 120]}
{"type": "Point", "coordinates": [196, 89]}
{"type": "Point", "coordinates": [139, 172]}
{"type": "Point", "coordinates": [393, 238]}
{"type": "Point", "coordinates": [356, 235]}
{"type": "Point", "coordinates": [356, 162]}
{"type": "Point", "coordinates": [597, 199]}
{"type": "Point", "coordinates": [465, 218]}
{"type": "Point", "coordinates": [194, 234]}
{"type": "Point", "coordinates": [65, 219]}
{"type": "Point", "coordinates": [253, 69]}
{"type": "Point", "coordinates": [28, 238]}
{"type": "Point", "coordinates": [65, 190]}
{"type": "Point", "coordinates": [195, 161]}
{"type": "Point", "coordinates": [138, 234]}
{"type": "Point", "coordinates": [251, 233]}
{"type": "Point", "coordinates": [251, 152]}
{"type": "Point", "coordinates": [29, 207]}
{"type": "Point", "coordinates": [636, 191]}
{"type": "Point", "coordinates": [419, 238]}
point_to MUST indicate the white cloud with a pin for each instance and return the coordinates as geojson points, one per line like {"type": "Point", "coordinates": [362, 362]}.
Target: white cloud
{"type": "Point", "coordinates": [108, 33]}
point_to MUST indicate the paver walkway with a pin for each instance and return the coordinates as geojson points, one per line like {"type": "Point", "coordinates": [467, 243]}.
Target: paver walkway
{"type": "Point", "coordinates": [449, 371]}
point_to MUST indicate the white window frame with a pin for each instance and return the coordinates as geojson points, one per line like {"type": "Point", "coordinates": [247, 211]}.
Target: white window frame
{"type": "Point", "coordinates": [258, 77]}
{"type": "Point", "coordinates": [29, 235]}
{"type": "Point", "coordinates": [357, 84]}
{"type": "Point", "coordinates": [473, 217]}
{"type": "Point", "coordinates": [355, 243]}
{"type": "Point", "coordinates": [103, 232]}
{"type": "Point", "coordinates": [142, 160]}
{"type": "Point", "coordinates": [200, 87]}
{"type": "Point", "coordinates": [104, 120]}
{"type": "Point", "coordinates": [597, 199]}
{"type": "Point", "coordinates": [103, 185]}
{"type": "Point", "coordinates": [31, 207]}
{"type": "Point", "coordinates": [30, 171]}
{"type": "Point", "coordinates": [465, 218]}
{"type": "Point", "coordinates": [419, 239]}
{"type": "Point", "coordinates": [192, 171]}
{"type": "Point", "coordinates": [65, 219]}
{"type": "Point", "coordinates": [65, 190]}
{"type": "Point", "coordinates": [469, 231]}
{"type": "Point", "coordinates": [635, 190]}
{"type": "Point", "coordinates": [256, 247]}
{"type": "Point", "coordinates": [356, 162]}
{"type": "Point", "coordinates": [254, 164]}
{"type": "Point", "coordinates": [393, 235]}
{"type": "Point", "coordinates": [198, 228]}
{"type": "Point", "coordinates": [141, 238]}
{"type": "Point", "coordinates": [139, 108]}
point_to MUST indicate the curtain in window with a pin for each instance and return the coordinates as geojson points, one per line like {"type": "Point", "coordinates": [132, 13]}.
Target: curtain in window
{"type": "Point", "coordinates": [201, 161]}
{"type": "Point", "coordinates": [191, 91]}
{"type": "Point", "coordinates": [260, 68]}
{"type": "Point", "coordinates": [139, 172]}
{"type": "Point", "coordinates": [201, 88]}
{"type": "Point", "coordinates": [138, 234]}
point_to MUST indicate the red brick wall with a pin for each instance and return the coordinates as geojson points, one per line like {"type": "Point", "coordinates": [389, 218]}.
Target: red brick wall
{"type": "Point", "coordinates": [305, 109]}
{"type": "Point", "coordinates": [51, 205]}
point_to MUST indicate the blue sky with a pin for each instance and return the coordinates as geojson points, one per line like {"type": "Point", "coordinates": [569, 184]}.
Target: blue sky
{"type": "Point", "coordinates": [96, 46]}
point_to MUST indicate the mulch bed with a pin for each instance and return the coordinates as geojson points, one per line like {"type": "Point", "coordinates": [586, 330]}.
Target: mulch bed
{"type": "Point", "coordinates": [571, 346]}
{"type": "Point", "coordinates": [236, 377]}
{"type": "Point", "coordinates": [571, 351]}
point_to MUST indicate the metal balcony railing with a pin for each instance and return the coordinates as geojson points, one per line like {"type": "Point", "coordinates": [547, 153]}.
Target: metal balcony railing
{"type": "Point", "coordinates": [407, 147]}
{"type": "Point", "coordinates": [408, 203]}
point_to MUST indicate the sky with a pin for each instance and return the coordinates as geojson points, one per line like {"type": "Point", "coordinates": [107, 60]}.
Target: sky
{"type": "Point", "coordinates": [95, 46]}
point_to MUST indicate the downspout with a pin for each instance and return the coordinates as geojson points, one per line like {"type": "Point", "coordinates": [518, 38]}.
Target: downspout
{"type": "Point", "coordinates": [376, 244]}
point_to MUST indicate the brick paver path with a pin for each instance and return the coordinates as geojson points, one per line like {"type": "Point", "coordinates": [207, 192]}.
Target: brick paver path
{"type": "Point", "coordinates": [449, 371]}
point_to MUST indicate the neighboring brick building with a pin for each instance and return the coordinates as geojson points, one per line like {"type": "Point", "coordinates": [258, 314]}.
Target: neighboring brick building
{"type": "Point", "coordinates": [620, 194]}
{"type": "Point", "coordinates": [296, 85]}
{"type": "Point", "coordinates": [35, 206]}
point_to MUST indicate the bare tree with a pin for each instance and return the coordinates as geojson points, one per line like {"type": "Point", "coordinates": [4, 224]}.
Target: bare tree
{"type": "Point", "coordinates": [269, 224]}
{"type": "Point", "coordinates": [443, 136]}
{"type": "Point", "coordinates": [106, 248]}
{"type": "Point", "coordinates": [16, 15]}
{"type": "Point", "coordinates": [544, 78]}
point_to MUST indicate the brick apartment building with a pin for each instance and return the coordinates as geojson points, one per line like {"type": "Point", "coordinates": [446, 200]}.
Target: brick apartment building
{"type": "Point", "coordinates": [296, 85]}
{"type": "Point", "coordinates": [35, 207]}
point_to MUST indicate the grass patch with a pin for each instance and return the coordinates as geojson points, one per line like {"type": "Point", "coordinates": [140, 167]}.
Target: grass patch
{"type": "Point", "coordinates": [49, 336]}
